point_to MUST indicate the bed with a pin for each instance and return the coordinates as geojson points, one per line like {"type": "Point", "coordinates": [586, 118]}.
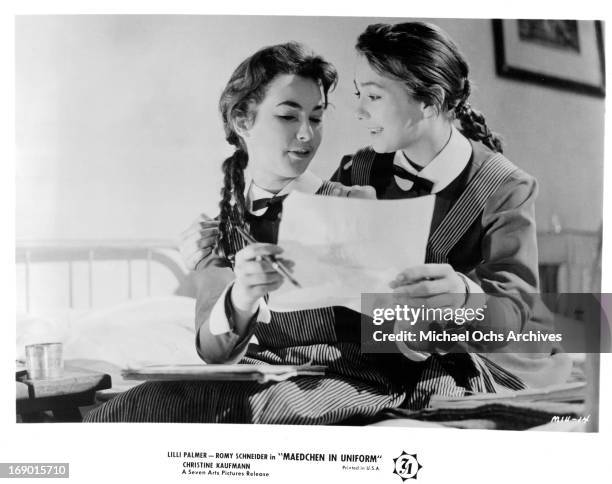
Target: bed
{"type": "Point", "coordinates": [114, 304]}
{"type": "Point", "coordinates": [117, 304]}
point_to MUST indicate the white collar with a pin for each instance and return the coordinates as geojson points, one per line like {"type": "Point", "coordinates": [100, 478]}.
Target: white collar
{"type": "Point", "coordinates": [444, 168]}
{"type": "Point", "coordinates": [307, 182]}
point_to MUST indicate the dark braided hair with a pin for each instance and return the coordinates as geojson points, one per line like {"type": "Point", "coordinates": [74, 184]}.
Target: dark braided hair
{"type": "Point", "coordinates": [429, 63]}
{"type": "Point", "coordinates": [244, 91]}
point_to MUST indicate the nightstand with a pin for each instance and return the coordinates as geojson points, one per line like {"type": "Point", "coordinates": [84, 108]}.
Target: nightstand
{"type": "Point", "coordinates": [61, 396]}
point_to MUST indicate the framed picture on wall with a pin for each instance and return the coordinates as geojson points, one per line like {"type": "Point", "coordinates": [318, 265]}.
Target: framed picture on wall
{"type": "Point", "coordinates": [564, 54]}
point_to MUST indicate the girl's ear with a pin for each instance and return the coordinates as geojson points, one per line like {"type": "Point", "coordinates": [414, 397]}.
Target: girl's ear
{"type": "Point", "coordinates": [435, 108]}
{"type": "Point", "coordinates": [429, 111]}
{"type": "Point", "coordinates": [242, 125]}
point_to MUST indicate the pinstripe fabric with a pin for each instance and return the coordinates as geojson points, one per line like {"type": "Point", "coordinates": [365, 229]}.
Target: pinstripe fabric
{"type": "Point", "coordinates": [491, 175]}
{"type": "Point", "coordinates": [468, 207]}
{"type": "Point", "coordinates": [352, 386]}
{"type": "Point", "coordinates": [362, 166]}
{"type": "Point", "coordinates": [496, 377]}
{"type": "Point", "coordinates": [435, 377]}
{"type": "Point", "coordinates": [355, 385]}
{"type": "Point", "coordinates": [326, 188]}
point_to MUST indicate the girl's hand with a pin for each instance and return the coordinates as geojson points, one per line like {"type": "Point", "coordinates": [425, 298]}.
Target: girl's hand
{"type": "Point", "coordinates": [198, 241]}
{"type": "Point", "coordinates": [434, 285]}
{"type": "Point", "coordinates": [255, 277]}
{"type": "Point", "coordinates": [356, 191]}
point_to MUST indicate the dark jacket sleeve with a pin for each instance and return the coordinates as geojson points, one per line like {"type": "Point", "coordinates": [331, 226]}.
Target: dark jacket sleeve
{"type": "Point", "coordinates": [343, 172]}
{"type": "Point", "coordinates": [508, 273]}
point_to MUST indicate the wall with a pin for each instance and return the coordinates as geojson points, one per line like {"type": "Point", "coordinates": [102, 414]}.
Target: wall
{"type": "Point", "coordinates": [118, 134]}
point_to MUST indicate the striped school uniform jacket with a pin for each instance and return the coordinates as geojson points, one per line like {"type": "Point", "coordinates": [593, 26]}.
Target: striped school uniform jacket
{"type": "Point", "coordinates": [330, 336]}
{"type": "Point", "coordinates": [356, 387]}
{"type": "Point", "coordinates": [483, 225]}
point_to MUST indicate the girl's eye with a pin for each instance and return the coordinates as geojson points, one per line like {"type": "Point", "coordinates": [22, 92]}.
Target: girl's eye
{"type": "Point", "coordinates": [373, 97]}
{"type": "Point", "coordinates": [287, 117]}
{"type": "Point", "coordinates": [316, 120]}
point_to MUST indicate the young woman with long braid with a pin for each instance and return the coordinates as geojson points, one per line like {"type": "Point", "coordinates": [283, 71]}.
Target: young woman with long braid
{"type": "Point", "coordinates": [413, 89]}
{"type": "Point", "coordinates": [272, 109]}
{"type": "Point", "coordinates": [412, 86]}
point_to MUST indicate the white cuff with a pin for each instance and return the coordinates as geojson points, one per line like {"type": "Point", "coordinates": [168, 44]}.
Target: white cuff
{"type": "Point", "coordinates": [263, 315]}
{"type": "Point", "coordinates": [472, 298]}
{"type": "Point", "coordinates": [219, 320]}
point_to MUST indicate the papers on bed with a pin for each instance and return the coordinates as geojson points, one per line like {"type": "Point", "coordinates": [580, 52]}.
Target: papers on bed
{"type": "Point", "coordinates": [239, 372]}
{"type": "Point", "coordinates": [343, 247]}
{"type": "Point", "coordinates": [562, 393]}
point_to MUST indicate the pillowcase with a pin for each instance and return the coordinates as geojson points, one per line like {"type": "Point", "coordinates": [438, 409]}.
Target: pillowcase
{"type": "Point", "coordinates": [136, 333]}
{"type": "Point", "coordinates": [131, 334]}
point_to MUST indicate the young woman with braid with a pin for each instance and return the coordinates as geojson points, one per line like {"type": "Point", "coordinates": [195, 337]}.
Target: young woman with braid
{"type": "Point", "coordinates": [272, 108]}
{"type": "Point", "coordinates": [412, 84]}
{"type": "Point", "coordinates": [413, 87]}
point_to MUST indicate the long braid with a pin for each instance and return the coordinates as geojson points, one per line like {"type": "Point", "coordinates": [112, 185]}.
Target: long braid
{"type": "Point", "coordinates": [232, 191]}
{"type": "Point", "coordinates": [240, 162]}
{"type": "Point", "coordinates": [473, 123]}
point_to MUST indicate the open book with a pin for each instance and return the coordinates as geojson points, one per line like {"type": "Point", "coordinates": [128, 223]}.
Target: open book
{"type": "Point", "coordinates": [261, 373]}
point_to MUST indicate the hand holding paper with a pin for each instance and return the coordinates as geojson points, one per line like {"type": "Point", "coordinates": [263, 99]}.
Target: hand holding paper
{"type": "Point", "coordinates": [343, 247]}
{"type": "Point", "coordinates": [435, 285]}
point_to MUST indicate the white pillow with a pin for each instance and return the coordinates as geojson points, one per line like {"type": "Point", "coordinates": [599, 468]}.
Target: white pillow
{"type": "Point", "coordinates": [131, 334]}
{"type": "Point", "coordinates": [137, 333]}
{"type": "Point", "coordinates": [51, 327]}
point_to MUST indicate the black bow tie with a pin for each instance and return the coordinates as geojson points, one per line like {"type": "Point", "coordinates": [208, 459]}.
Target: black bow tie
{"type": "Point", "coordinates": [420, 185]}
{"type": "Point", "coordinates": [267, 202]}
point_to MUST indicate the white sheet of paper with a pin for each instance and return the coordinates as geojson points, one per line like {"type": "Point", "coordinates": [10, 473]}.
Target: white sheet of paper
{"type": "Point", "coordinates": [343, 247]}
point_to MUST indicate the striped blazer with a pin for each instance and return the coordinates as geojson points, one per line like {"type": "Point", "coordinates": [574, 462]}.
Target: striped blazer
{"type": "Point", "coordinates": [484, 227]}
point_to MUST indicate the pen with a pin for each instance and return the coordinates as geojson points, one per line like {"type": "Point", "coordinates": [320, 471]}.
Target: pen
{"type": "Point", "coordinates": [276, 265]}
